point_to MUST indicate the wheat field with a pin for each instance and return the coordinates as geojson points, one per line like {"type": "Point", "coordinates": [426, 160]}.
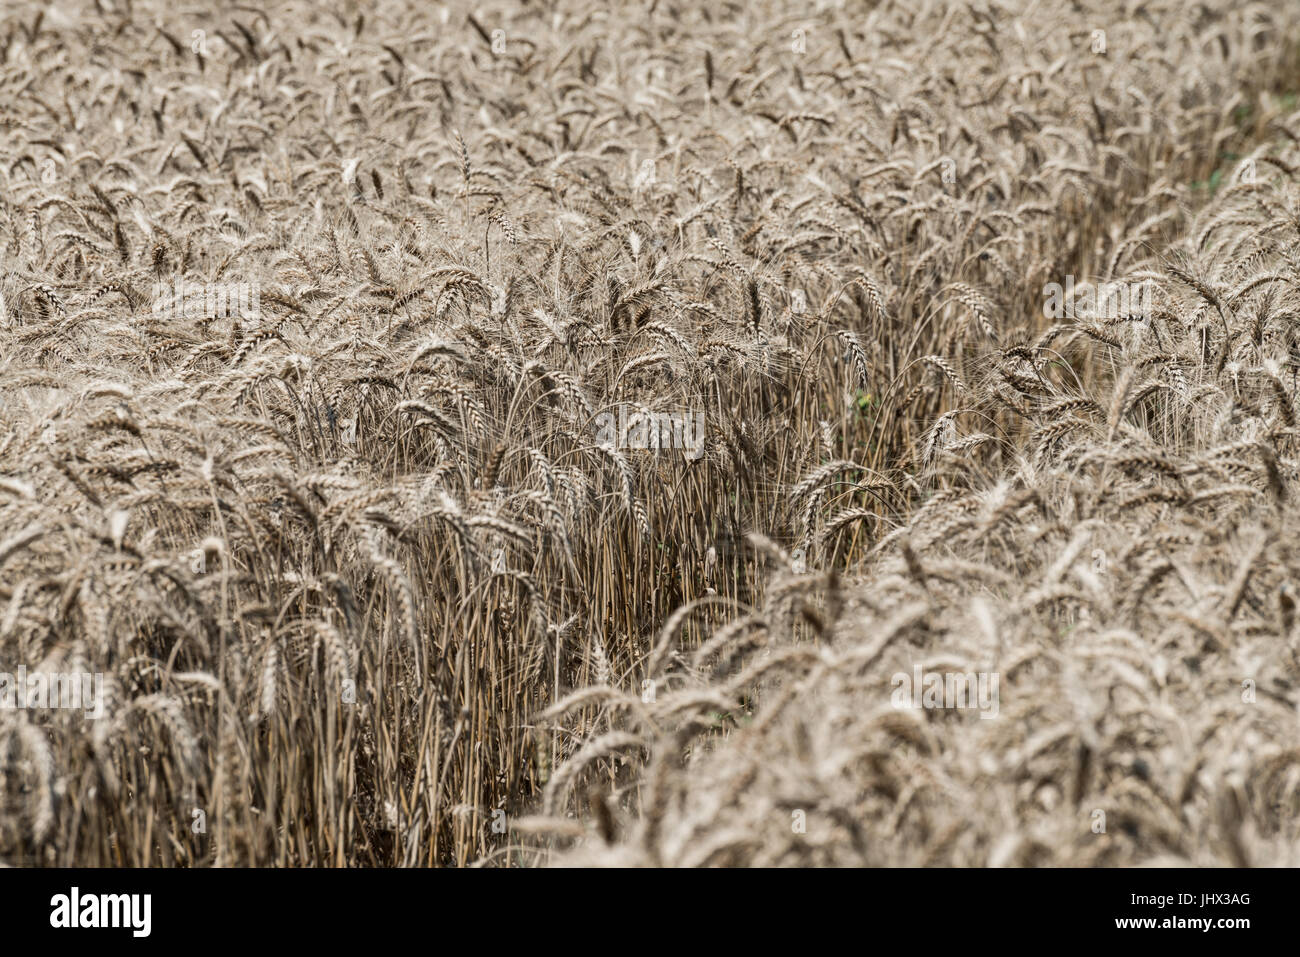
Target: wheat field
{"type": "Point", "coordinates": [329, 336]}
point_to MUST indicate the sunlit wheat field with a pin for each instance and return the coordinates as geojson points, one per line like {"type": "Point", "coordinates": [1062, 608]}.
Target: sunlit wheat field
{"type": "Point", "coordinates": [650, 433]}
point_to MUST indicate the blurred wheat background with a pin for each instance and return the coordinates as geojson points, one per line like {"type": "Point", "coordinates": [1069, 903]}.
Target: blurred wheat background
{"type": "Point", "coordinates": [366, 589]}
